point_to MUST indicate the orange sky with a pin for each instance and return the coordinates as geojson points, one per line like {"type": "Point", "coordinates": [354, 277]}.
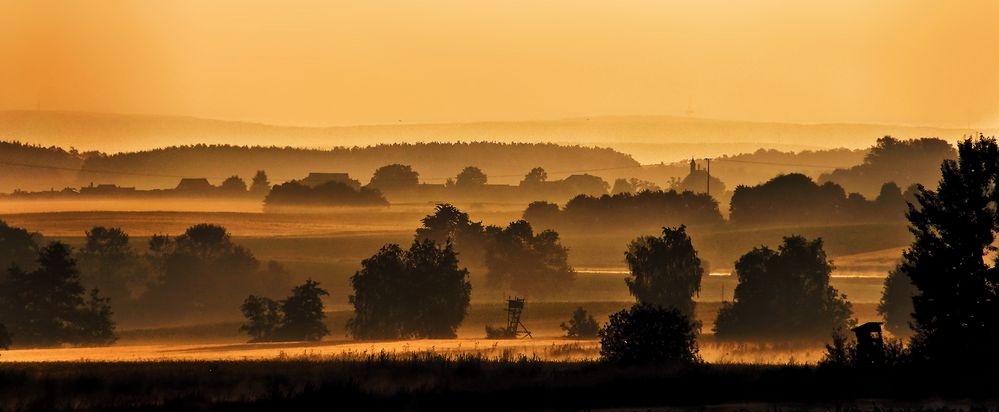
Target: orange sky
{"type": "Point", "coordinates": [377, 61]}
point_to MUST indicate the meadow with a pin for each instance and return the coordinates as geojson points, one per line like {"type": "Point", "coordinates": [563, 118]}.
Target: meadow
{"type": "Point", "coordinates": [329, 246]}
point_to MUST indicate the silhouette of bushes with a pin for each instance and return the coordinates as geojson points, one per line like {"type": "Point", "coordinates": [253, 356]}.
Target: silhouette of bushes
{"type": "Point", "coordinates": [298, 317]}
{"type": "Point", "coordinates": [581, 325]}
{"type": "Point", "coordinates": [647, 334]}
{"type": "Point", "coordinates": [784, 294]}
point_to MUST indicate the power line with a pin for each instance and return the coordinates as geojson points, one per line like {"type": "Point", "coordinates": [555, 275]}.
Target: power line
{"type": "Point", "coordinates": [110, 172]}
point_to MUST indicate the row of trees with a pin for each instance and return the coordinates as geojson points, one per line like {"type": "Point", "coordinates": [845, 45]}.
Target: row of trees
{"type": "Point", "coordinates": [627, 211]}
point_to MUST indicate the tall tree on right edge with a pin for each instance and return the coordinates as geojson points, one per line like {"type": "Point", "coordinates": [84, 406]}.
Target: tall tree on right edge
{"type": "Point", "coordinates": [956, 307]}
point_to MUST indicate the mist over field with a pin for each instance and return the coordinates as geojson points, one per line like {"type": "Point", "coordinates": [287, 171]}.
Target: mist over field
{"type": "Point", "coordinates": [516, 205]}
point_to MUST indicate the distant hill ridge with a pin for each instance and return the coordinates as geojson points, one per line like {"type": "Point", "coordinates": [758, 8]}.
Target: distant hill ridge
{"type": "Point", "coordinates": [125, 132]}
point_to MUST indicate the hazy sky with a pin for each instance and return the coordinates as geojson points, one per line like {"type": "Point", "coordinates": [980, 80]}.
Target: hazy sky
{"type": "Point", "coordinates": [376, 61]}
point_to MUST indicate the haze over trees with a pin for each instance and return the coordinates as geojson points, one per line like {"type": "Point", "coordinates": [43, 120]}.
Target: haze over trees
{"type": "Point", "coordinates": [203, 272]}
{"type": "Point", "coordinates": [294, 193]}
{"type": "Point", "coordinates": [784, 294]}
{"type": "Point", "coordinates": [109, 263]}
{"type": "Point", "coordinates": [797, 199]}
{"type": "Point", "coordinates": [950, 263]}
{"type": "Point", "coordinates": [665, 270]}
{"type": "Point", "coordinates": [895, 306]}
{"type": "Point", "coordinates": [529, 264]}
{"type": "Point", "coordinates": [285, 163]}
{"type": "Point", "coordinates": [49, 306]}
{"type": "Point", "coordinates": [626, 212]}
{"type": "Point", "coordinates": [904, 162]}
{"type": "Point", "coordinates": [416, 293]}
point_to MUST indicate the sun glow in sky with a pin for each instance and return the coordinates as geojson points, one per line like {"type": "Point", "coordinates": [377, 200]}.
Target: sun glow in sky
{"type": "Point", "coordinates": [382, 61]}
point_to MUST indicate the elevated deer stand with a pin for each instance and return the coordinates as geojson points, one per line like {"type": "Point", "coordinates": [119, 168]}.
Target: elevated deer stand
{"type": "Point", "coordinates": [514, 327]}
{"type": "Point", "coordinates": [870, 344]}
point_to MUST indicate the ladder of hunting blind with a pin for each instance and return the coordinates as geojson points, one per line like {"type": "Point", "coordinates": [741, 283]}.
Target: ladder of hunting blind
{"type": "Point", "coordinates": [514, 327]}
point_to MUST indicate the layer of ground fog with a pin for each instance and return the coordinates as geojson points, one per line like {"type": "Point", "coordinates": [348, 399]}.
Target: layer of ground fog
{"type": "Point", "coordinates": [222, 341]}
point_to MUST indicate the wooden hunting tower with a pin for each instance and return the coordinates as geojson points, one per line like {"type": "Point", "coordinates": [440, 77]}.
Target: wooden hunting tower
{"type": "Point", "coordinates": [870, 344]}
{"type": "Point", "coordinates": [514, 327]}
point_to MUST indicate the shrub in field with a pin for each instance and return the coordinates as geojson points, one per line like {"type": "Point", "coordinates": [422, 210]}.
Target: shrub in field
{"type": "Point", "coordinates": [415, 293]}
{"type": "Point", "coordinates": [299, 317]}
{"type": "Point", "coordinates": [647, 334]}
{"type": "Point", "coordinates": [499, 332]}
{"type": "Point", "coordinates": [665, 270]}
{"type": "Point", "coordinates": [956, 306]}
{"type": "Point", "coordinates": [581, 325]}
{"type": "Point", "coordinates": [49, 306]}
{"type": "Point", "coordinates": [784, 294]}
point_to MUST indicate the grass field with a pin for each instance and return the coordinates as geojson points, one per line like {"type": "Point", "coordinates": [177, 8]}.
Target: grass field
{"type": "Point", "coordinates": [436, 381]}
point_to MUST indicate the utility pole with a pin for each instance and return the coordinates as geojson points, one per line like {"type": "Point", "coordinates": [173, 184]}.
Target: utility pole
{"type": "Point", "coordinates": [709, 175]}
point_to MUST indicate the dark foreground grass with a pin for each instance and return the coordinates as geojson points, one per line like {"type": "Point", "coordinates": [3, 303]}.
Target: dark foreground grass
{"type": "Point", "coordinates": [445, 382]}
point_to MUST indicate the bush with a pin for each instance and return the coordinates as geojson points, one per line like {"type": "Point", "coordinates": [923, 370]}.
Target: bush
{"type": "Point", "coordinates": [581, 325]}
{"type": "Point", "coordinates": [646, 334]}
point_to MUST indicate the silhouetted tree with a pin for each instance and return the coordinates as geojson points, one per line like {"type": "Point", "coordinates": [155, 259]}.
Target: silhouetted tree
{"type": "Point", "coordinates": [784, 294]}
{"type": "Point", "coordinates": [233, 185]}
{"type": "Point", "coordinates": [646, 334]}
{"type": "Point", "coordinates": [581, 325]}
{"type": "Point", "coordinates": [260, 186]}
{"type": "Point", "coordinates": [47, 306]}
{"type": "Point", "coordinates": [107, 262]}
{"type": "Point", "coordinates": [470, 176]}
{"type": "Point", "coordinates": [303, 313]}
{"type": "Point", "coordinates": [394, 176]}
{"type": "Point", "coordinates": [263, 317]}
{"type": "Point", "coordinates": [448, 223]}
{"type": "Point", "coordinates": [542, 214]}
{"type": "Point", "coordinates": [895, 306]}
{"type": "Point", "coordinates": [665, 271]}
{"type": "Point", "coordinates": [586, 184]}
{"type": "Point", "coordinates": [529, 264]}
{"type": "Point", "coordinates": [956, 308]}
{"type": "Point", "coordinates": [17, 247]}
{"type": "Point", "coordinates": [415, 293]}
{"type": "Point", "coordinates": [536, 176]}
